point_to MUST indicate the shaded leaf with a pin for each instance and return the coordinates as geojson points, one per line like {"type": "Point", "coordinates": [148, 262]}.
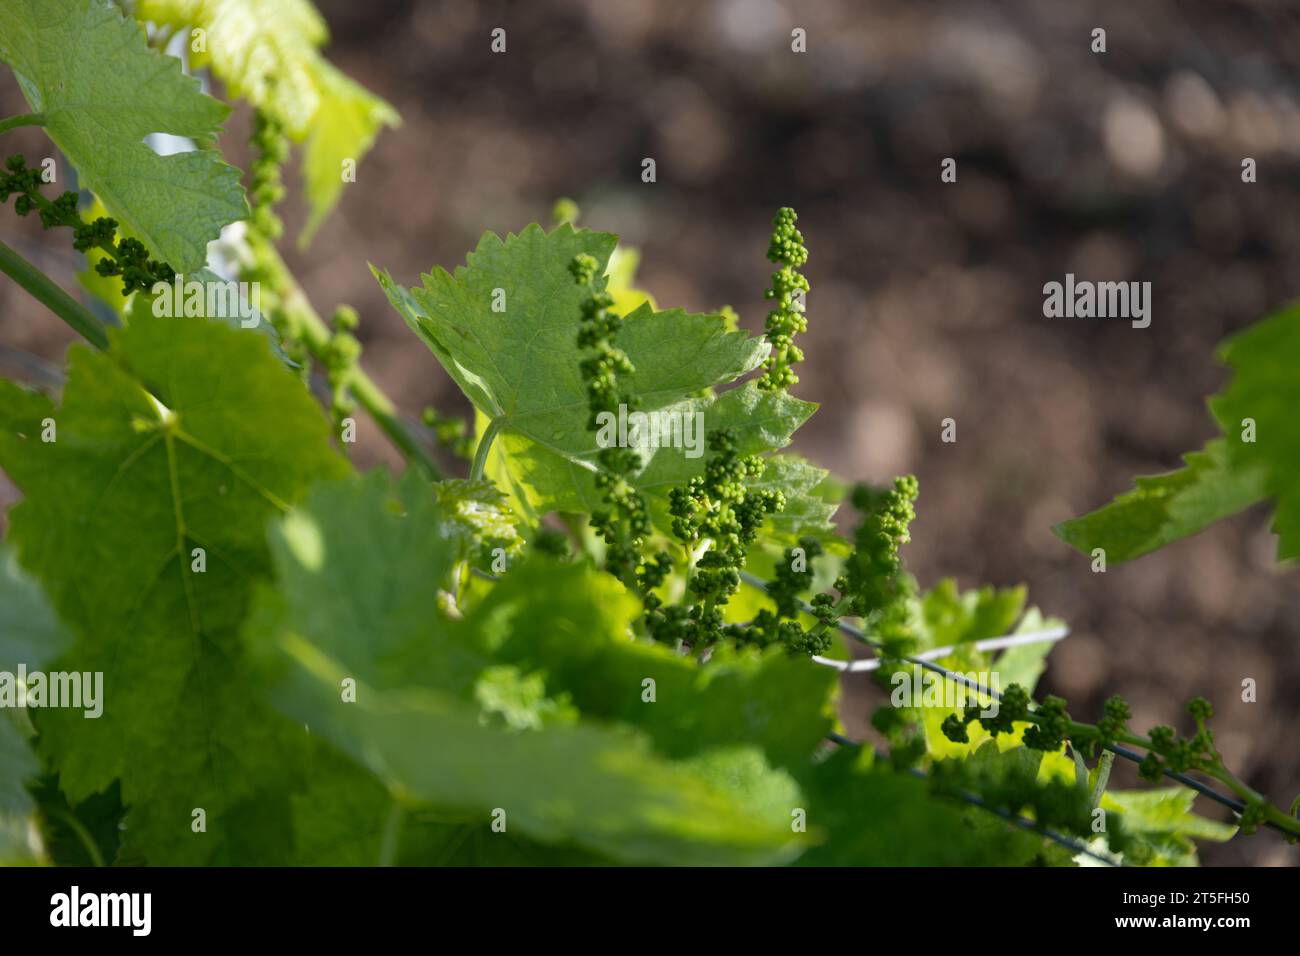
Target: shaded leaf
{"type": "Point", "coordinates": [185, 435]}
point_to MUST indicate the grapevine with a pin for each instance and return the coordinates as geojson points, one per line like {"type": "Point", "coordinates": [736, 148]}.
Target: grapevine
{"type": "Point", "coordinates": [625, 638]}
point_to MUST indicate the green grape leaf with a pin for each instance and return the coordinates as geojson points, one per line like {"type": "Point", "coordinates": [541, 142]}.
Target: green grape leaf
{"type": "Point", "coordinates": [505, 327]}
{"type": "Point", "coordinates": [30, 635]}
{"type": "Point", "coordinates": [808, 509]}
{"type": "Point", "coordinates": [950, 616]}
{"type": "Point", "coordinates": [346, 817]}
{"type": "Point", "coordinates": [1258, 457]}
{"type": "Point", "coordinates": [185, 435]}
{"type": "Point", "coordinates": [481, 512]}
{"type": "Point", "coordinates": [269, 54]}
{"type": "Point", "coordinates": [538, 617]}
{"type": "Point", "coordinates": [19, 766]}
{"type": "Point", "coordinates": [864, 816]}
{"type": "Point", "coordinates": [235, 311]}
{"type": "Point", "coordinates": [1164, 820]}
{"type": "Point", "coordinates": [101, 90]}
{"type": "Point", "coordinates": [614, 796]}
{"type": "Point", "coordinates": [1266, 391]}
{"type": "Point", "coordinates": [348, 606]}
{"type": "Point", "coordinates": [1165, 508]}
{"type": "Point", "coordinates": [342, 132]}
{"type": "Point", "coordinates": [365, 558]}
{"type": "Point", "coordinates": [1025, 663]}
{"type": "Point", "coordinates": [566, 621]}
{"type": "Point", "coordinates": [623, 264]}
{"type": "Point", "coordinates": [543, 479]}
{"type": "Point", "coordinates": [519, 362]}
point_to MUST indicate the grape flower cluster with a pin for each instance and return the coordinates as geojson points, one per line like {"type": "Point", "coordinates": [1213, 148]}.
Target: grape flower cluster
{"type": "Point", "coordinates": [788, 287]}
{"type": "Point", "coordinates": [716, 516]}
{"type": "Point", "coordinates": [127, 259]}
{"type": "Point", "coordinates": [625, 522]}
{"type": "Point", "coordinates": [270, 146]}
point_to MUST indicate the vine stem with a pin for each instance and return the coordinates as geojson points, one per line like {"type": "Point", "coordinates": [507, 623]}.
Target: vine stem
{"type": "Point", "coordinates": [479, 466]}
{"type": "Point", "coordinates": [27, 119]}
{"type": "Point", "coordinates": [315, 334]}
{"type": "Point", "coordinates": [51, 295]}
{"type": "Point", "coordinates": [82, 834]}
{"type": "Point", "coordinates": [476, 471]}
{"type": "Point", "coordinates": [1273, 816]}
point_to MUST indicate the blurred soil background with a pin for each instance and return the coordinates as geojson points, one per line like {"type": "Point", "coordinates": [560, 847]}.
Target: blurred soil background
{"type": "Point", "coordinates": [926, 297]}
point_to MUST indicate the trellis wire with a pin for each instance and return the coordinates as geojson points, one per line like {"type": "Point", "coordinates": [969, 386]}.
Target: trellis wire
{"type": "Point", "coordinates": [987, 644]}
{"type": "Point", "coordinates": [1013, 818]}
{"type": "Point", "coordinates": [1236, 806]}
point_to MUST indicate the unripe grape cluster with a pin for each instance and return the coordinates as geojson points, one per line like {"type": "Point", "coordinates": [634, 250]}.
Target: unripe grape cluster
{"type": "Point", "coordinates": [265, 190]}
{"type": "Point", "coordinates": [787, 318]}
{"type": "Point", "coordinates": [1169, 752]}
{"type": "Point", "coordinates": [625, 522]}
{"type": "Point", "coordinates": [872, 576]}
{"type": "Point", "coordinates": [449, 431]}
{"type": "Point", "coordinates": [597, 331]}
{"type": "Point", "coordinates": [128, 259]}
{"type": "Point", "coordinates": [1050, 727]}
{"type": "Point", "coordinates": [270, 147]}
{"type": "Point", "coordinates": [722, 512]}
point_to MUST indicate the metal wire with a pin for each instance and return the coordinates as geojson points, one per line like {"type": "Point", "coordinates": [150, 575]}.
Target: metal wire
{"type": "Point", "coordinates": [1230, 802]}
{"type": "Point", "coordinates": [1013, 818]}
{"type": "Point", "coordinates": [1236, 806]}
{"type": "Point", "coordinates": [1052, 634]}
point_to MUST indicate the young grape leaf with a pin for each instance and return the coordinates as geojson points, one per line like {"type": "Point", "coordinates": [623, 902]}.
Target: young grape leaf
{"type": "Point", "coordinates": [543, 479]}
{"type": "Point", "coordinates": [234, 311]}
{"type": "Point", "coordinates": [144, 521]}
{"type": "Point", "coordinates": [1025, 663]}
{"type": "Point", "coordinates": [366, 558]}
{"type": "Point", "coordinates": [1165, 508]}
{"type": "Point", "coordinates": [1163, 819]}
{"type": "Point", "coordinates": [101, 90]}
{"type": "Point", "coordinates": [86, 834]}
{"type": "Point", "coordinates": [505, 327]}
{"type": "Point", "coordinates": [808, 510]}
{"type": "Point", "coordinates": [349, 605]}
{"type": "Point", "coordinates": [270, 55]}
{"type": "Point", "coordinates": [481, 512]}
{"type": "Point", "coordinates": [950, 616]}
